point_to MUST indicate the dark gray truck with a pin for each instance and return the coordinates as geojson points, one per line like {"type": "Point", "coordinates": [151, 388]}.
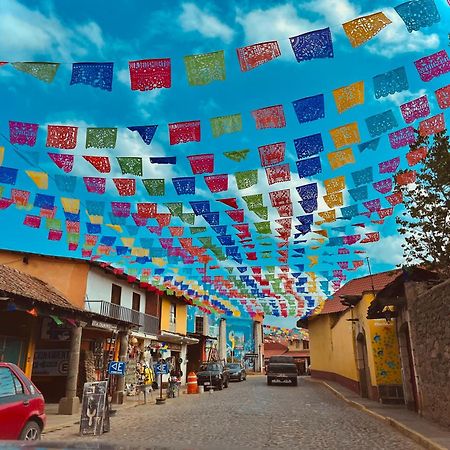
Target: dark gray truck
{"type": "Point", "coordinates": [282, 368]}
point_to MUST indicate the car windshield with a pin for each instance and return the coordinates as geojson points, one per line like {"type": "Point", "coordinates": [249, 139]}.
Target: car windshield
{"type": "Point", "coordinates": [213, 367]}
{"type": "Point", "coordinates": [234, 366]}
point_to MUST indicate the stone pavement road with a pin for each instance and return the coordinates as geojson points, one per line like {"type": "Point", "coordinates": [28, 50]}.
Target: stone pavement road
{"type": "Point", "coordinates": [249, 414]}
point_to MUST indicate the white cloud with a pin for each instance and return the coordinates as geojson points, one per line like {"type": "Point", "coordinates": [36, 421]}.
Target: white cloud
{"type": "Point", "coordinates": [395, 39]}
{"type": "Point", "coordinates": [193, 18]}
{"type": "Point", "coordinates": [335, 12]}
{"type": "Point", "coordinates": [402, 97]}
{"type": "Point", "coordinates": [276, 23]}
{"type": "Point", "coordinates": [30, 34]}
{"type": "Point", "coordinates": [388, 250]}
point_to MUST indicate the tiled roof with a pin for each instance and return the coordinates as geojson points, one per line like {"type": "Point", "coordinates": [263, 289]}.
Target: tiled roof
{"type": "Point", "coordinates": [274, 349]}
{"type": "Point", "coordinates": [358, 286]}
{"type": "Point", "coordinates": [18, 284]}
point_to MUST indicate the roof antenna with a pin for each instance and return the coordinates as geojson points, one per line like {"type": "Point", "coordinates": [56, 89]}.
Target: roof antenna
{"type": "Point", "coordinates": [371, 278]}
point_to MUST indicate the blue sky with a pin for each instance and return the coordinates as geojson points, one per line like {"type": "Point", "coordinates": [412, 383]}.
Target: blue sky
{"type": "Point", "coordinates": [117, 32]}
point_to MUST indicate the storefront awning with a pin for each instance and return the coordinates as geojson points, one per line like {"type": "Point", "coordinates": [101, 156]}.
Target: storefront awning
{"type": "Point", "coordinates": [177, 338]}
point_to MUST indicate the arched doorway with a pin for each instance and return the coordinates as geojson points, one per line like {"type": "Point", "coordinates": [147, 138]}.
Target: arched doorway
{"type": "Point", "coordinates": [363, 365]}
{"type": "Point", "coordinates": [409, 375]}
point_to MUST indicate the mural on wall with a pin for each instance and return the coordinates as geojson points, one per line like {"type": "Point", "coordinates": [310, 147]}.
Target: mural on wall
{"type": "Point", "coordinates": [240, 339]}
{"type": "Point", "coordinates": [386, 354]}
{"type": "Point", "coordinates": [213, 321]}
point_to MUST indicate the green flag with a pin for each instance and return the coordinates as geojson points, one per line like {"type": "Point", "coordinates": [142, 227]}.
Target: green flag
{"type": "Point", "coordinates": [205, 68]}
{"type": "Point", "coordinates": [130, 165]}
{"type": "Point", "coordinates": [226, 124]}
{"type": "Point", "coordinates": [155, 186]}
{"type": "Point", "coordinates": [237, 155]}
{"type": "Point", "coordinates": [43, 71]}
{"type": "Point", "coordinates": [101, 137]}
{"type": "Point", "coordinates": [246, 179]}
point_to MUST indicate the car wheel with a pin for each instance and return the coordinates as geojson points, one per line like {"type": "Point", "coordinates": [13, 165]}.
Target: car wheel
{"type": "Point", "coordinates": [269, 381]}
{"type": "Point", "coordinates": [31, 432]}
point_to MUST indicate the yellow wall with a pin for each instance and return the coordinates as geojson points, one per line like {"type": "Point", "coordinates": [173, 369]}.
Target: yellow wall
{"type": "Point", "coordinates": [66, 276]}
{"type": "Point", "coordinates": [181, 320]}
{"type": "Point", "coordinates": [333, 346]}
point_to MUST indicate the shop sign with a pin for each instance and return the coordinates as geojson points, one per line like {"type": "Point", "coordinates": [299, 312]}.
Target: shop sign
{"type": "Point", "coordinates": [104, 325]}
{"type": "Point", "coordinates": [51, 362]}
{"type": "Point", "coordinates": [117, 368]}
{"type": "Point", "coordinates": [51, 331]}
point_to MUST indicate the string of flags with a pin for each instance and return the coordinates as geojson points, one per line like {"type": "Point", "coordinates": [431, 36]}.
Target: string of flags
{"type": "Point", "coordinates": [203, 69]}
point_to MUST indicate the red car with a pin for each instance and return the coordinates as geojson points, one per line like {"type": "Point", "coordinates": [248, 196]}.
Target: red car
{"type": "Point", "coordinates": [22, 406]}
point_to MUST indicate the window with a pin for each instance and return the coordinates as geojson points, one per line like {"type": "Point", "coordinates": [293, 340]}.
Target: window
{"type": "Point", "coordinates": [9, 384]}
{"type": "Point", "coordinates": [136, 301]}
{"type": "Point", "coordinates": [297, 343]}
{"type": "Point", "coordinates": [173, 313]}
{"type": "Point", "coordinates": [199, 324]}
{"type": "Point", "coordinates": [305, 345]}
{"type": "Point", "coordinates": [116, 293]}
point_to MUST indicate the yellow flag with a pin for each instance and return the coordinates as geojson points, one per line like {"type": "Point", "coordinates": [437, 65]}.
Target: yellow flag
{"type": "Point", "coordinates": [348, 96]}
{"type": "Point", "coordinates": [70, 205]}
{"type": "Point", "coordinates": [328, 216]}
{"type": "Point", "coordinates": [335, 184]}
{"type": "Point", "coordinates": [127, 241]}
{"type": "Point", "coordinates": [96, 220]}
{"type": "Point", "coordinates": [314, 259]}
{"type": "Point", "coordinates": [103, 250]}
{"type": "Point", "coordinates": [160, 262]}
{"type": "Point", "coordinates": [362, 29]}
{"type": "Point", "coordinates": [341, 158]}
{"type": "Point", "coordinates": [40, 178]}
{"type": "Point", "coordinates": [2, 155]}
{"type": "Point", "coordinates": [321, 232]}
{"type": "Point", "coordinates": [345, 135]}
{"type": "Point", "coordinates": [117, 228]}
{"type": "Point", "coordinates": [140, 252]}
{"type": "Point", "coordinates": [333, 200]}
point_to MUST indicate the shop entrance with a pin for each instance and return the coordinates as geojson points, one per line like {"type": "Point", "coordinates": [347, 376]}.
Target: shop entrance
{"type": "Point", "coordinates": [13, 350]}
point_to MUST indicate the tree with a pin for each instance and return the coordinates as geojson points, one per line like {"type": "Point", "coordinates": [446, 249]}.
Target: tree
{"type": "Point", "coordinates": [425, 223]}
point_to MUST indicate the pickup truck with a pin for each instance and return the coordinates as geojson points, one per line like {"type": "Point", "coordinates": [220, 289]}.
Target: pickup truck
{"type": "Point", "coordinates": [282, 368]}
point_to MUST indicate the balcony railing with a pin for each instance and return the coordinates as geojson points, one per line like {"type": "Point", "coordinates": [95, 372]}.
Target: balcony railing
{"type": "Point", "coordinates": [146, 323]}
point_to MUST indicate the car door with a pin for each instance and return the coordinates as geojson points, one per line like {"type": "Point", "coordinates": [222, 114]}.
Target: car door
{"type": "Point", "coordinates": [13, 408]}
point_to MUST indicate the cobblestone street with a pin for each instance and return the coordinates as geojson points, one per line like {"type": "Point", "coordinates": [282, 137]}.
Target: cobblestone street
{"type": "Point", "coordinates": [248, 414]}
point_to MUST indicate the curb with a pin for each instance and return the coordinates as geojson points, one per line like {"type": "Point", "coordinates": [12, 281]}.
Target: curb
{"type": "Point", "coordinates": [414, 435]}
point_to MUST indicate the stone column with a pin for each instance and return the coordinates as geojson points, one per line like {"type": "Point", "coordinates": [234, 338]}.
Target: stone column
{"type": "Point", "coordinates": [257, 333]}
{"type": "Point", "coordinates": [70, 404]}
{"type": "Point", "coordinates": [118, 396]}
{"type": "Point", "coordinates": [223, 339]}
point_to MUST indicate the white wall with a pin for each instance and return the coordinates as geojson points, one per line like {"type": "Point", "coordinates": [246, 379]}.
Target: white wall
{"type": "Point", "coordinates": [99, 285]}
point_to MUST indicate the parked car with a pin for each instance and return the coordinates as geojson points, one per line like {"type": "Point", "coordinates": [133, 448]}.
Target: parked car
{"type": "Point", "coordinates": [213, 375]}
{"type": "Point", "coordinates": [22, 406]}
{"type": "Point", "coordinates": [237, 371]}
{"type": "Point", "coordinates": [281, 368]}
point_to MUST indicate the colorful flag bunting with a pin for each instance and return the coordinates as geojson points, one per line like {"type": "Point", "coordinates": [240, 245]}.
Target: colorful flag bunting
{"type": "Point", "coordinates": [202, 163]}
{"type": "Point", "coordinates": [182, 132]}
{"type": "Point", "coordinates": [238, 155]}
{"type": "Point", "coordinates": [389, 166]}
{"type": "Point", "coordinates": [101, 137]}
{"type": "Point", "coordinates": [443, 97]}
{"type": "Point", "coordinates": [146, 132]}
{"type": "Point", "coordinates": [309, 167]}
{"type": "Point", "coordinates": [278, 174]}
{"type": "Point", "coordinates": [32, 221]}
{"type": "Point", "coordinates": [403, 137]}
{"type": "Point", "coordinates": [95, 185]}
{"type": "Point", "coordinates": [205, 68]}
{"type": "Point", "coordinates": [131, 165]}
{"type": "Point", "coordinates": [308, 145]}
{"type": "Point", "coordinates": [65, 183]}
{"type": "Point", "coordinates": [217, 183]}
{"type": "Point", "coordinates": [148, 74]}
{"type": "Point", "coordinates": [269, 117]}
{"type": "Point", "coordinates": [226, 124]}
{"type": "Point", "coordinates": [345, 135]}
{"type": "Point", "coordinates": [389, 83]}
{"type": "Point", "coordinates": [232, 202]}
{"type": "Point", "coordinates": [163, 159]}
{"type": "Point", "coordinates": [418, 14]}
{"type": "Point", "coordinates": [253, 201]}
{"type": "Point", "coordinates": [364, 28]}
{"type": "Point", "coordinates": [246, 179]}
{"type": "Point", "coordinates": [363, 176]}
{"type": "Point", "coordinates": [99, 75]}
{"type": "Point", "coordinates": [383, 186]}
{"type": "Point", "coordinates": [381, 123]}
{"type": "Point", "coordinates": [40, 179]}
{"type": "Point", "coordinates": [372, 145]}
{"type": "Point", "coordinates": [312, 45]}
{"type": "Point", "coordinates": [415, 156]}
{"type": "Point", "coordinates": [341, 158]}
{"type": "Point", "coordinates": [272, 153]}
{"type": "Point", "coordinates": [155, 186]}
{"type": "Point", "coordinates": [101, 163]}
{"type": "Point", "coordinates": [184, 185]}
{"type": "Point", "coordinates": [395, 199]}
{"type": "Point", "coordinates": [254, 55]}
{"type": "Point", "coordinates": [64, 162]}
{"type": "Point", "coordinates": [432, 66]}
{"type": "Point", "coordinates": [61, 136]}
{"type": "Point", "coordinates": [44, 71]}
{"type": "Point", "coordinates": [433, 125]}
{"type": "Point", "coordinates": [349, 96]}
{"type": "Point", "coordinates": [334, 199]}
{"type": "Point", "coordinates": [334, 184]}
{"type": "Point", "coordinates": [415, 109]}
{"type": "Point", "coordinates": [309, 109]}
{"type": "Point", "coordinates": [23, 133]}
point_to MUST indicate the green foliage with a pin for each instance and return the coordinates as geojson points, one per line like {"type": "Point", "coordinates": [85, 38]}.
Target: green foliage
{"type": "Point", "coordinates": [426, 220]}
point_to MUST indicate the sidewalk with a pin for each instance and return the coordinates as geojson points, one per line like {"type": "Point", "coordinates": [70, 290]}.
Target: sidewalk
{"type": "Point", "coordinates": [407, 422]}
{"type": "Point", "coordinates": [57, 422]}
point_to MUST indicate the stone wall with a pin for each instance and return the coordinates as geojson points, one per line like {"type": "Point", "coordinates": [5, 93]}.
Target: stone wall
{"type": "Point", "coordinates": [429, 313]}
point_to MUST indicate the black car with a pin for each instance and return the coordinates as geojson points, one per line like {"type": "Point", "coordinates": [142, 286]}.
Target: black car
{"type": "Point", "coordinates": [237, 371]}
{"type": "Point", "coordinates": [213, 375]}
{"type": "Point", "coordinates": [282, 368]}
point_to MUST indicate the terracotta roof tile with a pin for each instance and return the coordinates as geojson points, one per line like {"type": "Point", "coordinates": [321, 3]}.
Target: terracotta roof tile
{"type": "Point", "coordinates": [15, 283]}
{"type": "Point", "coordinates": [274, 349]}
{"type": "Point", "coordinates": [358, 286]}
